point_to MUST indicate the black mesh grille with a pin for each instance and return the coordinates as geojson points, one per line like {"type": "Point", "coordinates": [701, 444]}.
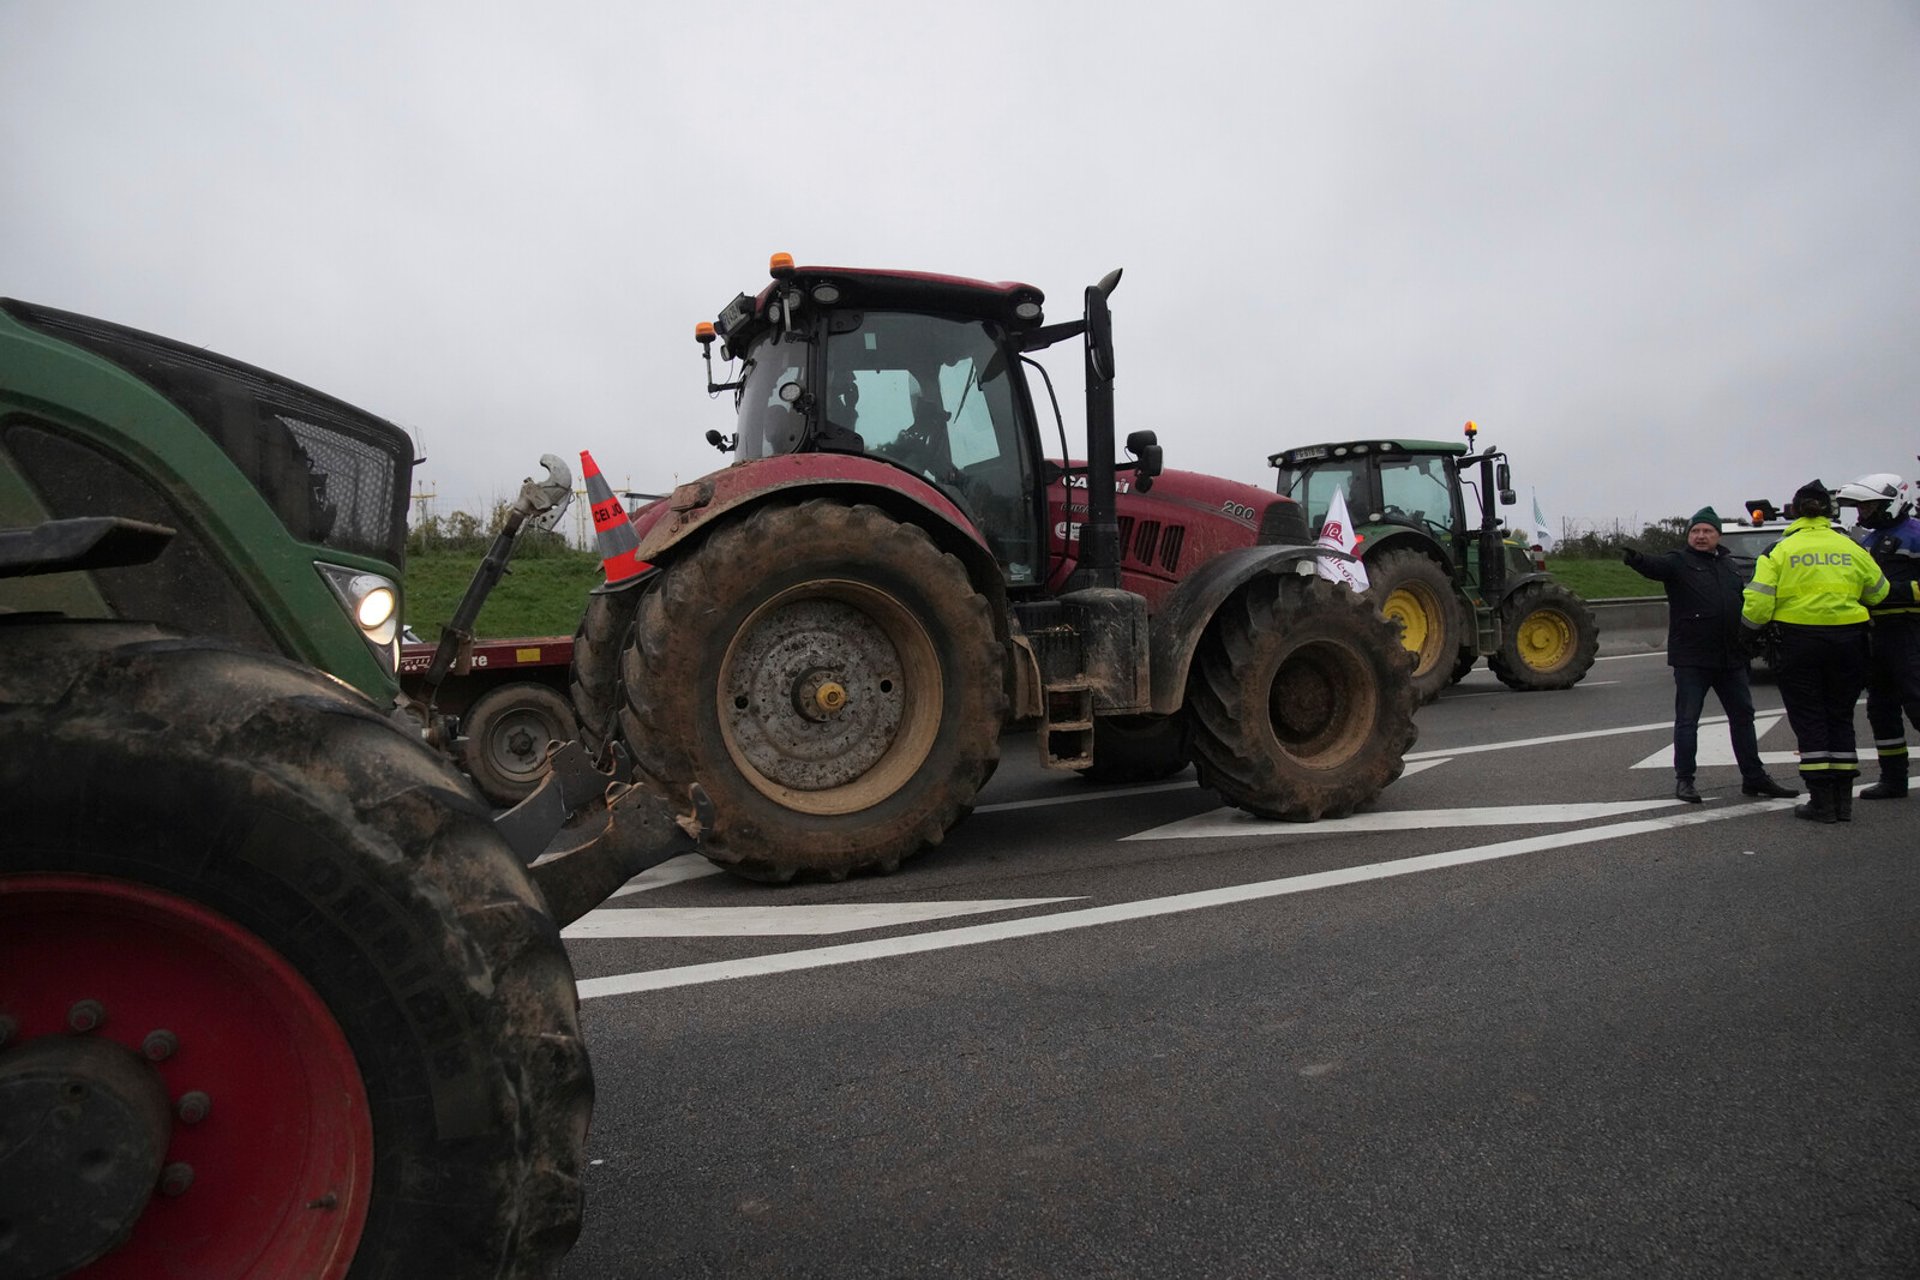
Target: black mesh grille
{"type": "Point", "coordinates": [333, 474]}
{"type": "Point", "coordinates": [1284, 523]}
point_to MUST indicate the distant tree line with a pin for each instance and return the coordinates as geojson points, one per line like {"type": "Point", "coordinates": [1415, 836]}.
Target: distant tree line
{"type": "Point", "coordinates": [1604, 541]}
{"type": "Point", "coordinates": [469, 534]}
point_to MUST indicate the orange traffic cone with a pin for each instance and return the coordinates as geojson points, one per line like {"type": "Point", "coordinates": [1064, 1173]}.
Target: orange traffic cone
{"type": "Point", "coordinates": [619, 548]}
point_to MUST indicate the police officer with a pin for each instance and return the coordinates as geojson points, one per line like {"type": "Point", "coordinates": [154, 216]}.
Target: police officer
{"type": "Point", "coordinates": [1885, 526]}
{"type": "Point", "coordinates": [1816, 583]}
{"type": "Point", "coordinates": [1706, 651]}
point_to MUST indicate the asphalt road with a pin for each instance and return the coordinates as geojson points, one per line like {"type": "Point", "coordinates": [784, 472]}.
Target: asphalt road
{"type": "Point", "coordinates": [1528, 1016]}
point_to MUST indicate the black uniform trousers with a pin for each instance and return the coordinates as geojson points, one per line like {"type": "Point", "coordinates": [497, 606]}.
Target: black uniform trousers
{"type": "Point", "coordinates": [1822, 671]}
{"type": "Point", "coordinates": [1893, 682]}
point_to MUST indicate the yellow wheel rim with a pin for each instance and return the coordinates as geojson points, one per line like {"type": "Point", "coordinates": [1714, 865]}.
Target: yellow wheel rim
{"type": "Point", "coordinates": [1417, 611]}
{"type": "Point", "coordinates": [1545, 639]}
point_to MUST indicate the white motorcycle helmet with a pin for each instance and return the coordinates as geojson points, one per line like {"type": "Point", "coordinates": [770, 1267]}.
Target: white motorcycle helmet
{"type": "Point", "coordinates": [1867, 491]}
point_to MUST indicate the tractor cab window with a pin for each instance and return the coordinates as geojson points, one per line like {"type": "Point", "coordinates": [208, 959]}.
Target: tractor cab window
{"type": "Point", "coordinates": [932, 395]}
{"type": "Point", "coordinates": [1313, 489]}
{"type": "Point", "coordinates": [769, 425]}
{"type": "Point", "coordinates": [1417, 491]}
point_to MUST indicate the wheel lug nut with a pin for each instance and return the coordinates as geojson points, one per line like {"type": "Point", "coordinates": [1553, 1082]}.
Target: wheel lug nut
{"type": "Point", "coordinates": [193, 1107]}
{"type": "Point", "coordinates": [160, 1045]}
{"type": "Point", "coordinates": [86, 1015]}
{"type": "Point", "coordinates": [175, 1179]}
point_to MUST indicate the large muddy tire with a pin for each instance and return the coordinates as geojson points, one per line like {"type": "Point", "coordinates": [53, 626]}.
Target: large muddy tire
{"type": "Point", "coordinates": [829, 676]}
{"type": "Point", "coordinates": [593, 683]}
{"type": "Point", "coordinates": [1139, 748]}
{"type": "Point", "coordinates": [1415, 593]}
{"type": "Point", "coordinates": [1548, 638]}
{"type": "Point", "coordinates": [1301, 701]}
{"type": "Point", "coordinates": [1462, 664]}
{"type": "Point", "coordinates": [227, 881]}
{"type": "Point", "coordinates": [508, 729]}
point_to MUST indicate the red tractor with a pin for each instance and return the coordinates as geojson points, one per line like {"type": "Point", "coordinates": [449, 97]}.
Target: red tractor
{"type": "Point", "coordinates": [893, 571]}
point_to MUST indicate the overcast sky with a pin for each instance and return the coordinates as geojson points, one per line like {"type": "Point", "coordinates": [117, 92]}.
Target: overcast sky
{"type": "Point", "coordinates": [1664, 253]}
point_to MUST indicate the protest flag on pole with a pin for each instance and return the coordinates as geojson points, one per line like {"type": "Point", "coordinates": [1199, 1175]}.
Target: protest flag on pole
{"type": "Point", "coordinates": [1337, 534]}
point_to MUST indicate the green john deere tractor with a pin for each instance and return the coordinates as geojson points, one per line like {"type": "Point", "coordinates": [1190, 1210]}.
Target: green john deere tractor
{"type": "Point", "coordinates": [279, 994]}
{"type": "Point", "coordinates": [1459, 586]}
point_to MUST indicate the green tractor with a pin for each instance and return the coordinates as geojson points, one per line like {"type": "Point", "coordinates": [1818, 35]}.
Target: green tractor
{"type": "Point", "coordinates": [279, 994]}
{"type": "Point", "coordinates": [1458, 585]}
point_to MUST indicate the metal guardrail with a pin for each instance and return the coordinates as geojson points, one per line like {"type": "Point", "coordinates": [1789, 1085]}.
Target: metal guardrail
{"type": "Point", "coordinates": [1634, 624]}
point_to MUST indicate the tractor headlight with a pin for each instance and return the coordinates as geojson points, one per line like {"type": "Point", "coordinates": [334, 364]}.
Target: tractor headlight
{"type": "Point", "coordinates": [373, 602]}
{"type": "Point", "coordinates": [376, 606]}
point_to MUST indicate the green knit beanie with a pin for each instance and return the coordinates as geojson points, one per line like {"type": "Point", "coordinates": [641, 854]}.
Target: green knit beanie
{"type": "Point", "coordinates": [1705, 515]}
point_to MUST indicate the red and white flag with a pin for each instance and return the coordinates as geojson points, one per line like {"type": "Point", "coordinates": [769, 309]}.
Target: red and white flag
{"type": "Point", "coordinates": [1337, 534]}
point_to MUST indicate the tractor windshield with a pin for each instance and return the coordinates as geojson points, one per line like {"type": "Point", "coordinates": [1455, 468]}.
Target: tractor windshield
{"type": "Point", "coordinates": [1417, 491]}
{"type": "Point", "coordinates": [933, 395]}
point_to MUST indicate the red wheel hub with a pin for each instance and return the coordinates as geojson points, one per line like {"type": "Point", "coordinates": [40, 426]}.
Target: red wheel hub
{"type": "Point", "coordinates": [268, 1162]}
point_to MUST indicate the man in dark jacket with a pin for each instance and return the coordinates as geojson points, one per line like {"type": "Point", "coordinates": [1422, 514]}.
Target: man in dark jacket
{"type": "Point", "coordinates": [1707, 650]}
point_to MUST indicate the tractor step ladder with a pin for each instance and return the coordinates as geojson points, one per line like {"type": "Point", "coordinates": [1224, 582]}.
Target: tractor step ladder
{"type": "Point", "coordinates": [1486, 625]}
{"type": "Point", "coordinates": [1066, 739]}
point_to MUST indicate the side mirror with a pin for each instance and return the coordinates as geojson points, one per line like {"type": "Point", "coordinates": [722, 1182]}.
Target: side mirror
{"type": "Point", "coordinates": [1145, 448]}
{"type": "Point", "coordinates": [1503, 481]}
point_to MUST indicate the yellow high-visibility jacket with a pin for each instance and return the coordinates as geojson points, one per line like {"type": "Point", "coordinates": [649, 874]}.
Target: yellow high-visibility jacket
{"type": "Point", "coordinates": [1814, 576]}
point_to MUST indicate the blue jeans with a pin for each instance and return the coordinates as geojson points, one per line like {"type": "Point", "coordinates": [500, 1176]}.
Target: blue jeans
{"type": "Point", "coordinates": [1729, 684]}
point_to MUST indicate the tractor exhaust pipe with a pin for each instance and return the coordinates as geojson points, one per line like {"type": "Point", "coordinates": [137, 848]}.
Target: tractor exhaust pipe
{"type": "Point", "coordinates": [1100, 536]}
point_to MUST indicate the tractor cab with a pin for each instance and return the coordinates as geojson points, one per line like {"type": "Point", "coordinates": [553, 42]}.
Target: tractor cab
{"type": "Point", "coordinates": [1428, 516]}
{"type": "Point", "coordinates": [918, 371]}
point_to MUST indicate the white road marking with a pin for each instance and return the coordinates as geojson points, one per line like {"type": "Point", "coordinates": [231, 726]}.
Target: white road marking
{"type": "Point", "coordinates": [779, 922]}
{"type": "Point", "coordinates": [1559, 737]}
{"type": "Point", "coordinates": [1232, 822]}
{"type": "Point", "coordinates": [688, 866]}
{"type": "Point", "coordinates": [1062, 921]}
{"type": "Point", "coordinates": [1421, 766]}
{"type": "Point", "coordinates": [1087, 793]}
{"type": "Point", "coordinates": [1622, 657]}
{"type": "Point", "coordinates": [1716, 750]}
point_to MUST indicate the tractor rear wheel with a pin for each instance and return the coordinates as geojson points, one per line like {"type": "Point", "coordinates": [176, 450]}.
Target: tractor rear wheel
{"type": "Point", "coordinates": [1416, 593]}
{"type": "Point", "coordinates": [1139, 748]}
{"type": "Point", "coordinates": [829, 676]}
{"type": "Point", "coordinates": [507, 731]}
{"type": "Point", "coordinates": [255, 937]}
{"type": "Point", "coordinates": [1301, 702]}
{"type": "Point", "coordinates": [1462, 664]}
{"type": "Point", "coordinates": [1548, 638]}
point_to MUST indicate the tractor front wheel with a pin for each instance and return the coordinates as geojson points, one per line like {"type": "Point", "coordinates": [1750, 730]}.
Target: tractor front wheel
{"type": "Point", "coordinates": [274, 998]}
{"type": "Point", "coordinates": [829, 676]}
{"type": "Point", "coordinates": [1301, 701]}
{"type": "Point", "coordinates": [1548, 638]}
{"type": "Point", "coordinates": [1415, 594]}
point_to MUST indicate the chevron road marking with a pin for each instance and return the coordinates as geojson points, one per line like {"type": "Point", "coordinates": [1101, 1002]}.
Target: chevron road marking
{"type": "Point", "coordinates": [1716, 750]}
{"type": "Point", "coordinates": [1088, 917]}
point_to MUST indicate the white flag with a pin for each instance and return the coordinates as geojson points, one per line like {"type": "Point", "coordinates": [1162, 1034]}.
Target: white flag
{"type": "Point", "coordinates": [1541, 537]}
{"type": "Point", "coordinates": [1337, 534]}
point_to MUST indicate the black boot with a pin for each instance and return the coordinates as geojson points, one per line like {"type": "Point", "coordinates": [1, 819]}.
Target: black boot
{"type": "Point", "coordinates": [1766, 786]}
{"type": "Point", "coordinates": [1843, 797]}
{"type": "Point", "coordinates": [1683, 790]}
{"type": "Point", "coordinates": [1819, 805]}
{"type": "Point", "coordinates": [1893, 781]}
